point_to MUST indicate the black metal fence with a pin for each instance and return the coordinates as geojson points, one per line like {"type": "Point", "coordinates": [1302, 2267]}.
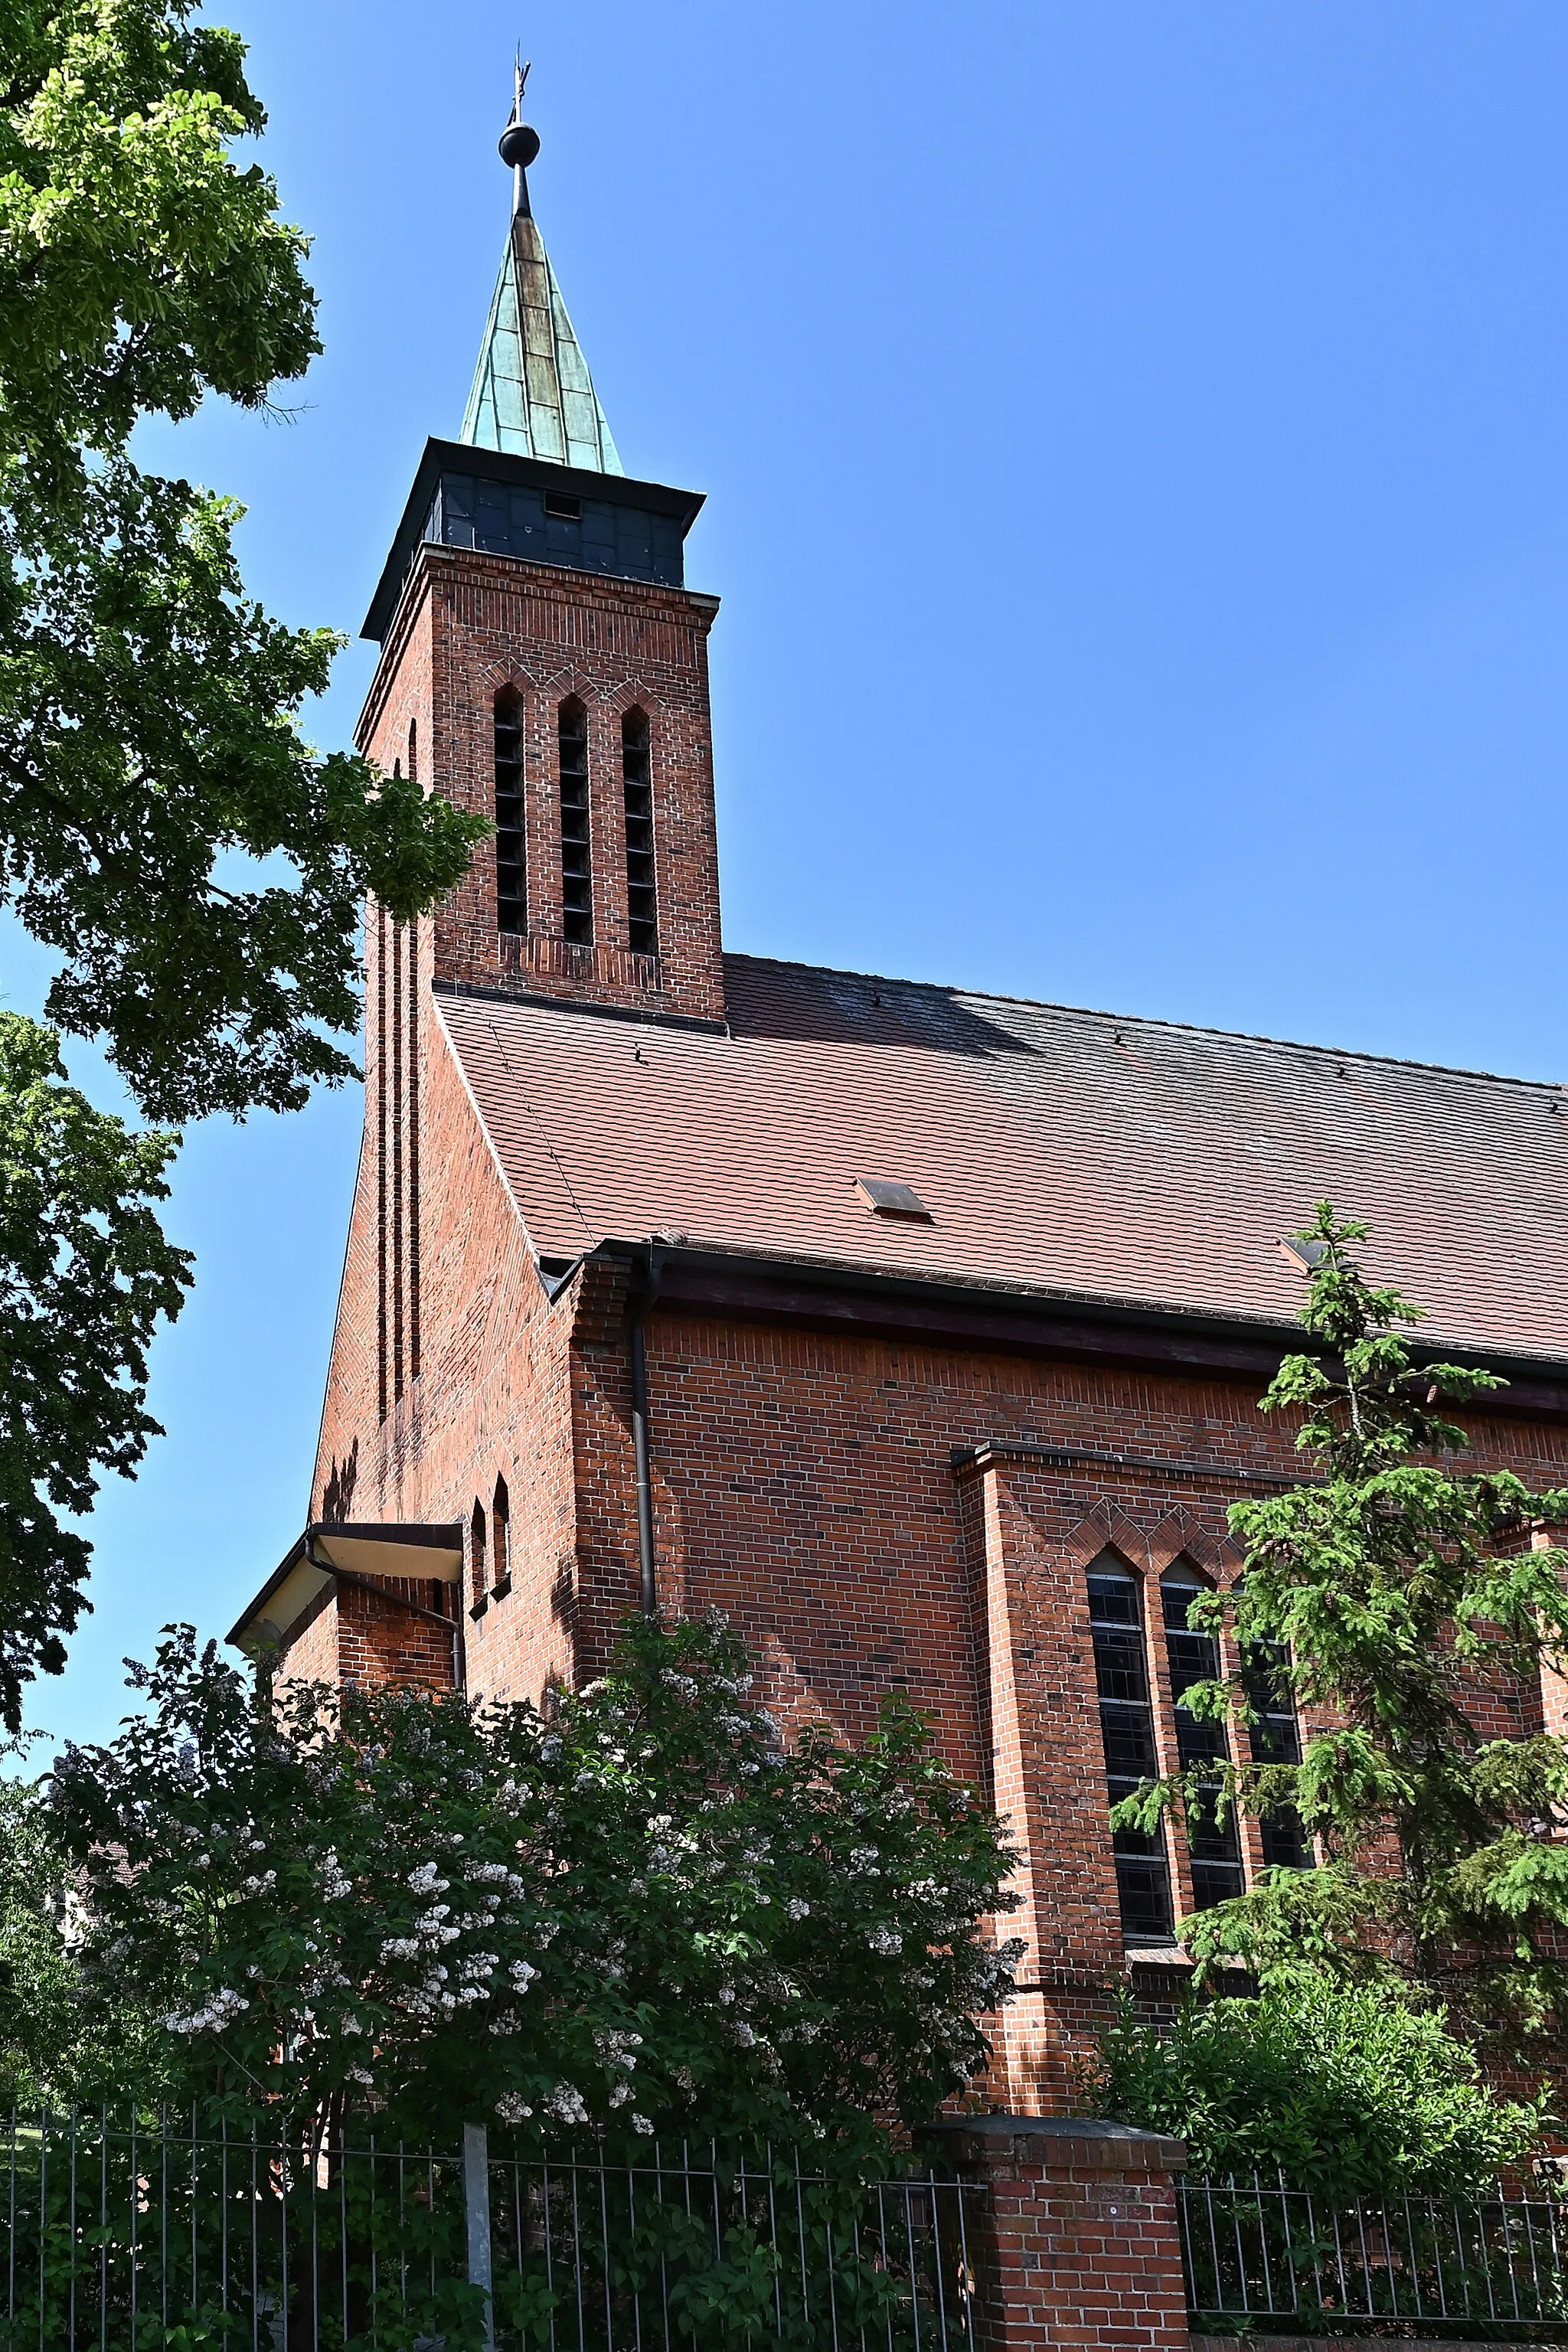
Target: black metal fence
{"type": "Point", "coordinates": [1258, 2250]}
{"type": "Point", "coordinates": [164, 2233]}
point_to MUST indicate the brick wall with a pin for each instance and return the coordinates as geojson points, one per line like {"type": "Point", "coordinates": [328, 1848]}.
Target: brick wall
{"type": "Point", "coordinates": [1078, 2239]}
{"type": "Point", "coordinates": [807, 1484]}
{"type": "Point", "coordinates": [469, 624]}
{"type": "Point", "coordinates": [492, 1397]}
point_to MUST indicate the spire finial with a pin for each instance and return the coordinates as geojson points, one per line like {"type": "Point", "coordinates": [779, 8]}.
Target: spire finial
{"type": "Point", "coordinates": [519, 140]}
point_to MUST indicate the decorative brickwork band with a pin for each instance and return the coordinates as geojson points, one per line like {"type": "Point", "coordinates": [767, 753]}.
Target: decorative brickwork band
{"type": "Point", "coordinates": [1079, 2246]}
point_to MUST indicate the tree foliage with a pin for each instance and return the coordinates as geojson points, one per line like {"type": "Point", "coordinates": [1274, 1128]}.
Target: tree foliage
{"type": "Point", "coordinates": [195, 869]}
{"type": "Point", "coordinates": [1340, 2087]}
{"type": "Point", "coordinates": [149, 753]}
{"type": "Point", "coordinates": [640, 1911]}
{"type": "Point", "coordinates": [1400, 1599]}
{"type": "Point", "coordinates": [85, 1273]}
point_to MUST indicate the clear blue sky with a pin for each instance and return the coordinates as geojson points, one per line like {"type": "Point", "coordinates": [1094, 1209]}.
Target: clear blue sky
{"type": "Point", "coordinates": [1136, 442]}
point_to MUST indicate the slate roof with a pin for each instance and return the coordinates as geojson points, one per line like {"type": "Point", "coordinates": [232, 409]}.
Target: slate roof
{"type": "Point", "coordinates": [1063, 1153]}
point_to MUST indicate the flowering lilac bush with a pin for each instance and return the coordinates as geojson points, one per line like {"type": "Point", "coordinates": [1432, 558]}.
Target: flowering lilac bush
{"type": "Point", "coordinates": [639, 1911]}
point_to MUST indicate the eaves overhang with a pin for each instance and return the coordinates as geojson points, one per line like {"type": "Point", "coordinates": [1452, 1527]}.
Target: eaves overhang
{"type": "Point", "coordinates": [330, 1550]}
{"type": "Point", "coordinates": [1138, 1334]}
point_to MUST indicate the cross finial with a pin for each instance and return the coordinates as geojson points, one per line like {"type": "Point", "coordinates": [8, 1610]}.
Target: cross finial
{"type": "Point", "coordinates": [518, 142]}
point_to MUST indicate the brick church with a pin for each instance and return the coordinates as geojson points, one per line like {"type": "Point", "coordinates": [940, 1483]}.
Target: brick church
{"type": "Point", "coordinates": [921, 1330]}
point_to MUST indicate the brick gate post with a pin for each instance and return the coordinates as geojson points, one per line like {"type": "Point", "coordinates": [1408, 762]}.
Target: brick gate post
{"type": "Point", "coordinates": [1079, 2250]}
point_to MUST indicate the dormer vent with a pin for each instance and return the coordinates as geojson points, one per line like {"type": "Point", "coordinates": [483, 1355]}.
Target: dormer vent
{"type": "Point", "coordinates": [892, 1199]}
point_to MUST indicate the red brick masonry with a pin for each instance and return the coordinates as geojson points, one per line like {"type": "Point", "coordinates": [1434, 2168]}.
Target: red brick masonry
{"type": "Point", "coordinates": [1080, 2244]}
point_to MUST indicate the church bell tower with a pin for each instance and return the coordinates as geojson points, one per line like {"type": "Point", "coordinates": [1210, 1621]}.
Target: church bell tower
{"type": "Point", "coordinates": [544, 663]}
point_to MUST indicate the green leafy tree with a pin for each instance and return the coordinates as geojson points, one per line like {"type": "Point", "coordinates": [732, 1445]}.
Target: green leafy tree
{"type": "Point", "coordinates": [641, 1911]}
{"type": "Point", "coordinates": [1342, 2087]}
{"type": "Point", "coordinates": [1396, 1597]}
{"type": "Point", "coordinates": [151, 761]}
{"type": "Point", "coordinates": [194, 867]}
{"type": "Point", "coordinates": [85, 1274]}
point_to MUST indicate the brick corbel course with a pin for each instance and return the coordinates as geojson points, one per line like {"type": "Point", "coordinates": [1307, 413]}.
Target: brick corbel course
{"type": "Point", "coordinates": [1078, 2245]}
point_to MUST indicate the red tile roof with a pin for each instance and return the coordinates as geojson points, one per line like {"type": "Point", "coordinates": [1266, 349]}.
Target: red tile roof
{"type": "Point", "coordinates": [1064, 1153]}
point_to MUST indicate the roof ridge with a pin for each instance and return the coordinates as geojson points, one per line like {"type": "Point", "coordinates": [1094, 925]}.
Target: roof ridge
{"type": "Point", "coordinates": [1154, 1021]}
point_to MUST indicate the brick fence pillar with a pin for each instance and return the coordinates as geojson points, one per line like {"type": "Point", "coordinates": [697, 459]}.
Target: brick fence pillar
{"type": "Point", "coordinates": [1079, 2246]}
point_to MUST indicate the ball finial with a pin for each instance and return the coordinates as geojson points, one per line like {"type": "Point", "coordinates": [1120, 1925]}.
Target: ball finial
{"type": "Point", "coordinates": [518, 145]}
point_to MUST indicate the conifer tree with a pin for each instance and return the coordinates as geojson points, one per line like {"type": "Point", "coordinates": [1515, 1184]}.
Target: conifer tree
{"type": "Point", "coordinates": [1403, 1598]}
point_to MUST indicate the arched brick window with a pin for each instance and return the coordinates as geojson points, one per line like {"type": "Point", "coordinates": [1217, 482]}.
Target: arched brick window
{"type": "Point", "coordinates": [1127, 1733]}
{"type": "Point", "coordinates": [1273, 1737]}
{"type": "Point", "coordinates": [478, 1574]}
{"type": "Point", "coordinates": [501, 1541]}
{"type": "Point", "coordinates": [511, 872]}
{"type": "Point", "coordinates": [636, 779]}
{"type": "Point", "coordinates": [576, 873]}
{"type": "Point", "coordinates": [1192, 1657]}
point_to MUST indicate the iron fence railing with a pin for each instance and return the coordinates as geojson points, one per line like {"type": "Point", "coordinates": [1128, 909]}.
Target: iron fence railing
{"type": "Point", "coordinates": [700, 2250]}
{"type": "Point", "coordinates": [166, 2232]}
{"type": "Point", "coordinates": [1257, 2248]}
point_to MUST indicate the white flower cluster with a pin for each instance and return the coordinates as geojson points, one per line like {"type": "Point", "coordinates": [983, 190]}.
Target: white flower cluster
{"type": "Point", "coordinates": [568, 2104]}
{"type": "Point", "coordinates": [262, 1885]}
{"type": "Point", "coordinates": [218, 2011]}
{"type": "Point", "coordinates": [427, 1880]}
{"type": "Point", "coordinates": [495, 1873]}
{"type": "Point", "coordinates": [512, 2107]}
{"type": "Point", "coordinates": [616, 2047]}
{"type": "Point", "coordinates": [796, 1908]}
{"type": "Point", "coordinates": [886, 1941]}
{"type": "Point", "coordinates": [335, 1886]}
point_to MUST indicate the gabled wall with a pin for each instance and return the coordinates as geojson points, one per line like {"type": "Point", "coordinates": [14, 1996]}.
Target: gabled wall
{"type": "Point", "coordinates": [491, 1394]}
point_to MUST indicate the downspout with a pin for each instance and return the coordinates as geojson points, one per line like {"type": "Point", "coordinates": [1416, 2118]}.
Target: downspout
{"type": "Point", "coordinates": [647, 1586]}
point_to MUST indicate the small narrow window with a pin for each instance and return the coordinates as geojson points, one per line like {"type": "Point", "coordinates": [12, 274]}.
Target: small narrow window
{"type": "Point", "coordinates": [479, 1580]}
{"type": "Point", "coordinates": [637, 772]}
{"type": "Point", "coordinates": [501, 1529]}
{"type": "Point", "coordinates": [576, 879]}
{"type": "Point", "coordinates": [414, 750]}
{"type": "Point", "coordinates": [1194, 1657]}
{"type": "Point", "coordinates": [1127, 1731]}
{"type": "Point", "coordinates": [512, 875]}
{"type": "Point", "coordinates": [1275, 1737]}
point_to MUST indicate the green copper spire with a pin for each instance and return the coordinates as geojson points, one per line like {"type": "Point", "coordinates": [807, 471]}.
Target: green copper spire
{"type": "Point", "coordinates": [533, 394]}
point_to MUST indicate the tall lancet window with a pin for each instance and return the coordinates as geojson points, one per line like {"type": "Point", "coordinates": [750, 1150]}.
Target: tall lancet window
{"type": "Point", "coordinates": [501, 1526]}
{"type": "Point", "coordinates": [1275, 1737]}
{"type": "Point", "coordinates": [478, 1574]}
{"type": "Point", "coordinates": [1194, 1657]}
{"type": "Point", "coordinates": [642, 904]}
{"type": "Point", "coordinates": [1127, 1731]}
{"type": "Point", "coordinates": [576, 878]}
{"type": "Point", "coordinates": [511, 873]}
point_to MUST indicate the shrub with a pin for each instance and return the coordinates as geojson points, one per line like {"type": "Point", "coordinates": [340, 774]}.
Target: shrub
{"type": "Point", "coordinates": [1342, 2086]}
{"type": "Point", "coordinates": [640, 1911]}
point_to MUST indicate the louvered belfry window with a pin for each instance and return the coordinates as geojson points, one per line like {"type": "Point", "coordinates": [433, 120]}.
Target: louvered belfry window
{"type": "Point", "coordinates": [1127, 1731]}
{"type": "Point", "coordinates": [511, 879]}
{"type": "Point", "coordinates": [576, 877]}
{"type": "Point", "coordinates": [637, 772]}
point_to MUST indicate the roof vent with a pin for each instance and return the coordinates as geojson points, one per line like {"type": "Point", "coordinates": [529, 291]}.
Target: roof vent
{"type": "Point", "coordinates": [1303, 1256]}
{"type": "Point", "coordinates": [890, 1200]}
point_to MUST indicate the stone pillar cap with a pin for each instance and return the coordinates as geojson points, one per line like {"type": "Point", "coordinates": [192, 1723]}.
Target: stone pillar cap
{"type": "Point", "coordinates": [1082, 2140]}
